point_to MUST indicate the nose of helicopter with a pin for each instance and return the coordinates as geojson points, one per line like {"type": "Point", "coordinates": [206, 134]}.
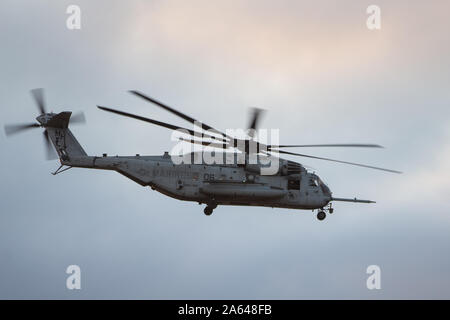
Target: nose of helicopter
{"type": "Point", "coordinates": [325, 189]}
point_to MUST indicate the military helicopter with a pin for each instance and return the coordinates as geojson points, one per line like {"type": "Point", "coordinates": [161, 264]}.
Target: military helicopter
{"type": "Point", "coordinates": [237, 180]}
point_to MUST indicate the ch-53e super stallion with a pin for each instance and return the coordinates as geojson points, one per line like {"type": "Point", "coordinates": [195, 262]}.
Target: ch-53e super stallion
{"type": "Point", "coordinates": [238, 183]}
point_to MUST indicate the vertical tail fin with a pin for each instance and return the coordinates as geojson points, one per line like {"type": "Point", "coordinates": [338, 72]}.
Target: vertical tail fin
{"type": "Point", "coordinates": [63, 140]}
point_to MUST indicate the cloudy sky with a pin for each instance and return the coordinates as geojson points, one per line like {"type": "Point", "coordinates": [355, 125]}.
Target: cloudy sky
{"type": "Point", "coordinates": [323, 77]}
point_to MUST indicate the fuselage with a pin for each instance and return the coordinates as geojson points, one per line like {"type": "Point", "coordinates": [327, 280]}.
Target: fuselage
{"type": "Point", "coordinates": [292, 186]}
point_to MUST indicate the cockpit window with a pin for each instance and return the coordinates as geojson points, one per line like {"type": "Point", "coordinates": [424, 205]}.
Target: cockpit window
{"type": "Point", "coordinates": [324, 188]}
{"type": "Point", "coordinates": [313, 182]}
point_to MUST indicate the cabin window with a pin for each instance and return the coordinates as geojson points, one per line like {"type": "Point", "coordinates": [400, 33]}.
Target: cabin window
{"type": "Point", "coordinates": [293, 184]}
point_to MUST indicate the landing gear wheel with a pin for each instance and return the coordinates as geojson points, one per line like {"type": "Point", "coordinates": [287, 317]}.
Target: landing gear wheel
{"type": "Point", "coordinates": [208, 210]}
{"type": "Point", "coordinates": [330, 210]}
{"type": "Point", "coordinates": [321, 215]}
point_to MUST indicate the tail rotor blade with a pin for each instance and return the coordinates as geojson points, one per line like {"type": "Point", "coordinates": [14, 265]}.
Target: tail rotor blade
{"type": "Point", "coordinates": [50, 152]}
{"type": "Point", "coordinates": [38, 95]}
{"type": "Point", "coordinates": [78, 118]}
{"type": "Point", "coordinates": [11, 129]}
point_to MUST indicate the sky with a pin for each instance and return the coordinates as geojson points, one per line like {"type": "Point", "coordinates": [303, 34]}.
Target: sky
{"type": "Point", "coordinates": [322, 76]}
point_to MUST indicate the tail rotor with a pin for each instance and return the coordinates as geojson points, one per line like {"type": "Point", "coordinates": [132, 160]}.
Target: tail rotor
{"type": "Point", "coordinates": [38, 95]}
{"type": "Point", "coordinates": [50, 153]}
{"type": "Point", "coordinates": [43, 121]}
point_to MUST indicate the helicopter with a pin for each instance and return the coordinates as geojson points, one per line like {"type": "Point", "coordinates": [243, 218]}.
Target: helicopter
{"type": "Point", "coordinates": [237, 176]}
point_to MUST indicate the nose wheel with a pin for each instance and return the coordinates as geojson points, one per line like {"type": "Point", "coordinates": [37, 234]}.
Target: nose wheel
{"type": "Point", "coordinates": [321, 212]}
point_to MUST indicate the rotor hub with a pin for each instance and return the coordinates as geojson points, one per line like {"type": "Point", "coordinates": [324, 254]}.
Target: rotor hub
{"type": "Point", "coordinates": [44, 118]}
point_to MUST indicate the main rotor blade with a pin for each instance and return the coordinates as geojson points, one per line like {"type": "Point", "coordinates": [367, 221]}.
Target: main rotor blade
{"type": "Point", "coordinates": [11, 129]}
{"type": "Point", "coordinates": [358, 145]}
{"type": "Point", "coordinates": [49, 150]}
{"type": "Point", "coordinates": [253, 124]}
{"type": "Point", "coordinates": [38, 95]}
{"type": "Point", "coordinates": [206, 143]}
{"type": "Point", "coordinates": [178, 113]}
{"type": "Point", "coordinates": [78, 118]}
{"type": "Point", "coordinates": [158, 123]}
{"type": "Point", "coordinates": [340, 161]}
